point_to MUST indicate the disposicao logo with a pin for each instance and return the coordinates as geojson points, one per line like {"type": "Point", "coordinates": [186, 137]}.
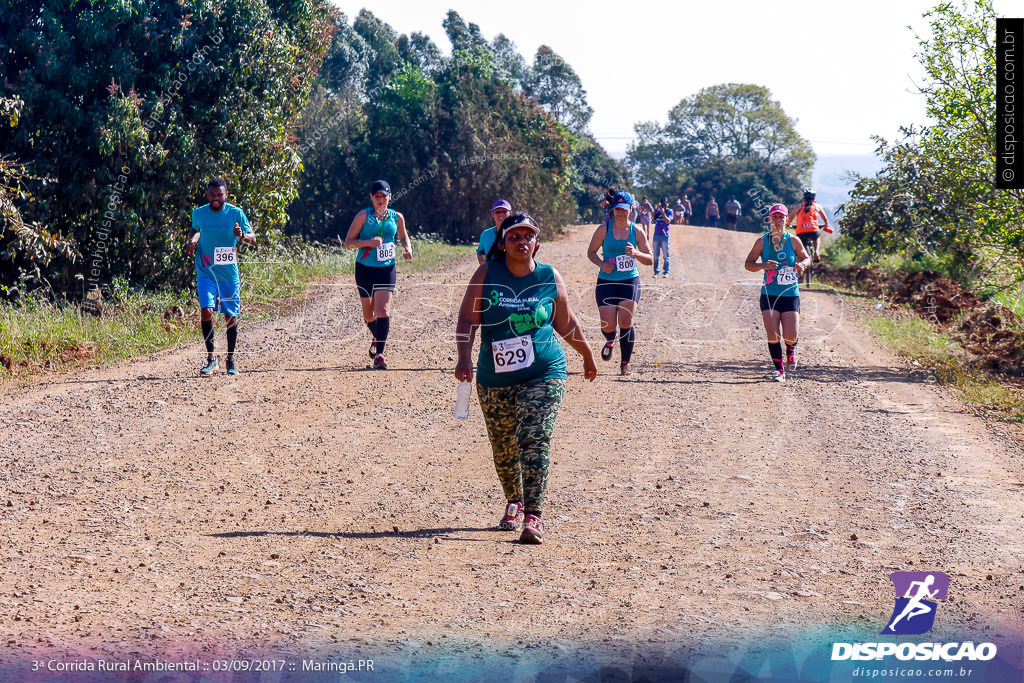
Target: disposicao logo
{"type": "Point", "coordinates": [914, 614]}
{"type": "Point", "coordinates": [916, 593]}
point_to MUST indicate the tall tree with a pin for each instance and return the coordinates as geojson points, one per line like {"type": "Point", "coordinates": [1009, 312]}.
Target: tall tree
{"type": "Point", "coordinates": [728, 139]}
{"type": "Point", "coordinates": [937, 183]}
{"type": "Point", "coordinates": [558, 89]}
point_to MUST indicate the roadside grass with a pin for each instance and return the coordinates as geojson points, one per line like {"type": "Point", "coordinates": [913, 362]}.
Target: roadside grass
{"type": "Point", "coordinates": [38, 334]}
{"type": "Point", "coordinates": [943, 361]}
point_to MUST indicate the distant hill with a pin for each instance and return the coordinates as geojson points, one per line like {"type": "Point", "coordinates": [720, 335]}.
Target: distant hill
{"type": "Point", "coordinates": [830, 184]}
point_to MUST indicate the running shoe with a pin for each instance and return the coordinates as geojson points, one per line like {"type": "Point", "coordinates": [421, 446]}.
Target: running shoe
{"type": "Point", "coordinates": [606, 352]}
{"type": "Point", "coordinates": [373, 349]}
{"type": "Point", "coordinates": [229, 365]}
{"type": "Point", "coordinates": [791, 361]}
{"type": "Point", "coordinates": [779, 376]}
{"type": "Point", "coordinates": [379, 364]}
{"type": "Point", "coordinates": [510, 522]}
{"type": "Point", "coordinates": [817, 257]}
{"type": "Point", "coordinates": [207, 370]}
{"type": "Point", "coordinates": [624, 369]}
{"type": "Point", "coordinates": [533, 530]}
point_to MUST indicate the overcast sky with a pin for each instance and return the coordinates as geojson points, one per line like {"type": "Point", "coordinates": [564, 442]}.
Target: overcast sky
{"type": "Point", "coordinates": [844, 70]}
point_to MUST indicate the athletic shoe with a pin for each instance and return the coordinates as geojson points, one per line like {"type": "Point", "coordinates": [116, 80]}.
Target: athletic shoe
{"type": "Point", "coordinates": [791, 360]}
{"type": "Point", "coordinates": [779, 376]}
{"type": "Point", "coordinates": [606, 352]}
{"type": "Point", "coordinates": [624, 369]}
{"type": "Point", "coordinates": [817, 257]}
{"type": "Point", "coordinates": [533, 530]}
{"type": "Point", "coordinates": [510, 522]}
{"type": "Point", "coordinates": [373, 349]}
{"type": "Point", "coordinates": [207, 370]}
{"type": "Point", "coordinates": [665, 274]}
{"type": "Point", "coordinates": [379, 364]}
{"type": "Point", "coordinates": [655, 274]}
{"type": "Point", "coordinates": [229, 364]}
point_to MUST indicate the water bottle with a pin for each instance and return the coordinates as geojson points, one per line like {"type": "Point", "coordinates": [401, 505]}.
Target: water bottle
{"type": "Point", "coordinates": [462, 400]}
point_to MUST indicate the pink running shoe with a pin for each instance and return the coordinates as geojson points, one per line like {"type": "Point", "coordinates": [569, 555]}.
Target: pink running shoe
{"type": "Point", "coordinates": [510, 522]}
{"type": "Point", "coordinates": [533, 530]}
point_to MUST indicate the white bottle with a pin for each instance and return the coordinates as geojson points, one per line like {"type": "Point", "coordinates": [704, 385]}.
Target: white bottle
{"type": "Point", "coordinates": [462, 400]}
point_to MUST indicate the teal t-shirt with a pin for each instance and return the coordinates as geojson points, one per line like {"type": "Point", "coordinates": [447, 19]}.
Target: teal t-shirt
{"type": "Point", "coordinates": [487, 238]}
{"type": "Point", "coordinates": [518, 344]}
{"type": "Point", "coordinates": [386, 230]}
{"type": "Point", "coordinates": [784, 281]}
{"type": "Point", "coordinates": [614, 251]}
{"type": "Point", "coordinates": [216, 255]}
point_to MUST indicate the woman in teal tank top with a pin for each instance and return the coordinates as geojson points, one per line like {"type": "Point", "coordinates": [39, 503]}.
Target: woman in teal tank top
{"type": "Point", "coordinates": [373, 232]}
{"type": "Point", "coordinates": [519, 304]}
{"type": "Point", "coordinates": [782, 258]}
{"type": "Point", "coordinates": [622, 247]}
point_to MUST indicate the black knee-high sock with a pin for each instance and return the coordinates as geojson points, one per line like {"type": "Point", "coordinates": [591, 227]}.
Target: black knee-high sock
{"type": "Point", "coordinates": [232, 338]}
{"type": "Point", "coordinates": [207, 327]}
{"type": "Point", "coordinates": [790, 348]}
{"type": "Point", "coordinates": [775, 349]}
{"type": "Point", "coordinates": [383, 327]}
{"type": "Point", "coordinates": [372, 327]}
{"type": "Point", "coordinates": [609, 336]}
{"type": "Point", "coordinates": [626, 339]}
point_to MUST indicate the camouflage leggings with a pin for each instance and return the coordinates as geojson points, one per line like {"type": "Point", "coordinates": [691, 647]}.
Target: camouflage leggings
{"type": "Point", "coordinates": [520, 420]}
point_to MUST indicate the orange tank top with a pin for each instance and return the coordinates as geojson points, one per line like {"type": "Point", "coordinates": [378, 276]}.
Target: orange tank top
{"type": "Point", "coordinates": [807, 219]}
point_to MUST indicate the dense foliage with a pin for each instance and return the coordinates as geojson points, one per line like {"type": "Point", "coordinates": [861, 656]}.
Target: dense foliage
{"type": "Point", "coordinates": [127, 108]}
{"type": "Point", "coordinates": [935, 202]}
{"type": "Point", "coordinates": [450, 133]}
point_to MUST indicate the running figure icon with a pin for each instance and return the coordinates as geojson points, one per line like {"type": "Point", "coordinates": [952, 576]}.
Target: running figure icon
{"type": "Point", "coordinates": [916, 595]}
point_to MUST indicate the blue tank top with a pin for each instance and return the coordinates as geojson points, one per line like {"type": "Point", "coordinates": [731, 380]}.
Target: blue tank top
{"type": "Point", "coordinates": [614, 251]}
{"type": "Point", "coordinates": [518, 344]}
{"type": "Point", "coordinates": [386, 230]}
{"type": "Point", "coordinates": [784, 281]}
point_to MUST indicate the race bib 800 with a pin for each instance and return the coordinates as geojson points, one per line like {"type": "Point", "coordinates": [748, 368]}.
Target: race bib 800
{"type": "Point", "coordinates": [624, 263]}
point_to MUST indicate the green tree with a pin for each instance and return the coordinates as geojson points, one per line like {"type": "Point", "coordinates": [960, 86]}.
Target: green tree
{"type": "Point", "coordinates": [558, 89]}
{"type": "Point", "coordinates": [129, 107]}
{"type": "Point", "coordinates": [935, 199]}
{"type": "Point", "coordinates": [728, 139]}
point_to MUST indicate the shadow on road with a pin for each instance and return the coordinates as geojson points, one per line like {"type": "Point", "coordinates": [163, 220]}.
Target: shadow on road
{"type": "Point", "coordinates": [394, 533]}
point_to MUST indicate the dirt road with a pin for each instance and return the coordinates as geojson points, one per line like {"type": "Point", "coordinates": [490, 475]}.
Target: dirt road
{"type": "Point", "coordinates": [309, 501]}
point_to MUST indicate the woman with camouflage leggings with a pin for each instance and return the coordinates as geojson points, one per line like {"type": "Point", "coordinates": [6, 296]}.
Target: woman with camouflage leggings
{"type": "Point", "coordinates": [518, 304]}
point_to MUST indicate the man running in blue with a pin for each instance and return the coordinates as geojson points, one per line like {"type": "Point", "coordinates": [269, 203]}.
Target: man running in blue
{"type": "Point", "coordinates": [499, 212]}
{"type": "Point", "coordinates": [218, 226]}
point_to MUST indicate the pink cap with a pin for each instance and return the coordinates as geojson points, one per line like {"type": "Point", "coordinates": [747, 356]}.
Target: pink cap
{"type": "Point", "coordinates": [778, 208]}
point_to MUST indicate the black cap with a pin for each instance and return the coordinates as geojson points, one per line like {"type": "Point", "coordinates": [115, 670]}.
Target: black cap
{"type": "Point", "coordinates": [380, 186]}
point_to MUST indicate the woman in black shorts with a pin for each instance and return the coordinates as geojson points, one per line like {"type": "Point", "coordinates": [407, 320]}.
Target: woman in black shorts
{"type": "Point", "coordinates": [622, 246]}
{"type": "Point", "coordinates": [373, 232]}
{"type": "Point", "coordinates": [782, 258]}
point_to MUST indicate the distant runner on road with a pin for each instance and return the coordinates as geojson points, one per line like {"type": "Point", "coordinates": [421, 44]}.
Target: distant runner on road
{"type": "Point", "coordinates": [732, 212]}
{"type": "Point", "coordinates": [218, 227]}
{"type": "Point", "coordinates": [783, 259]}
{"type": "Point", "coordinates": [499, 212]}
{"type": "Point", "coordinates": [806, 219]}
{"type": "Point", "coordinates": [519, 304]}
{"type": "Point", "coordinates": [373, 232]}
{"type": "Point", "coordinates": [711, 213]}
{"type": "Point", "coordinates": [646, 212]}
{"type": "Point", "coordinates": [687, 210]}
{"type": "Point", "coordinates": [618, 283]}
